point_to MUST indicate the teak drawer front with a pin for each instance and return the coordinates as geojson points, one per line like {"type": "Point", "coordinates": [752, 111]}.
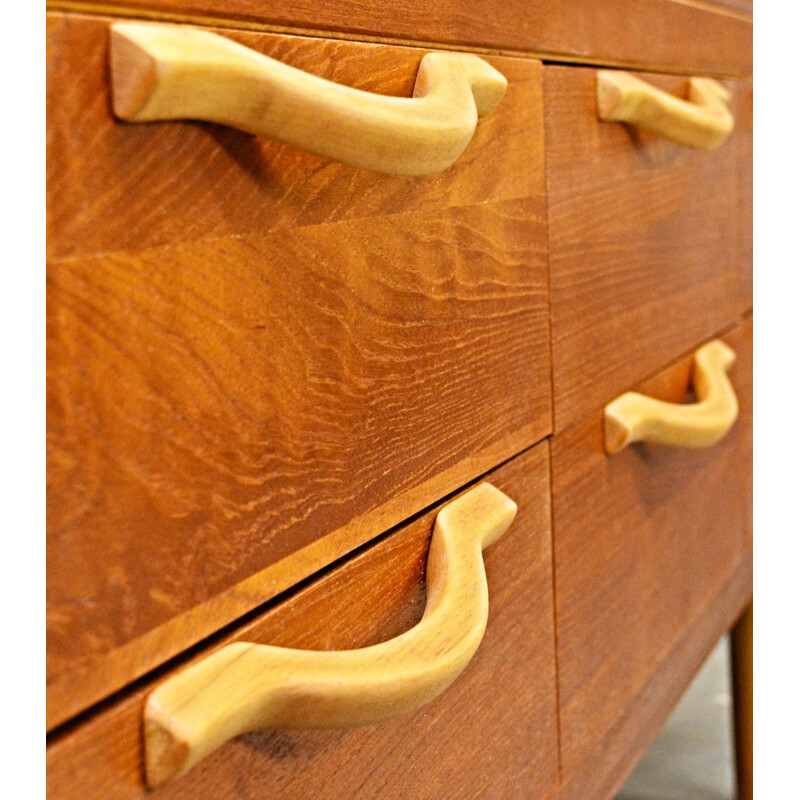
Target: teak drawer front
{"type": "Point", "coordinates": [238, 396]}
{"type": "Point", "coordinates": [491, 734]}
{"type": "Point", "coordinates": [646, 253]}
{"type": "Point", "coordinates": [647, 543]}
{"type": "Point", "coordinates": [115, 186]}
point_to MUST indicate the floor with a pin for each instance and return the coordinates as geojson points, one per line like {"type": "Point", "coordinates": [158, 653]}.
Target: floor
{"type": "Point", "coordinates": [692, 758]}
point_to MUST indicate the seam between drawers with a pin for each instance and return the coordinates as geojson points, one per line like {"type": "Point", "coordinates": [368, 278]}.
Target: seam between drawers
{"type": "Point", "coordinates": [555, 612]}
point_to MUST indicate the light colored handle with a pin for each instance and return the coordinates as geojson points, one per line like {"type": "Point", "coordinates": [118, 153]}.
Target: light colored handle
{"type": "Point", "coordinates": [702, 122]}
{"type": "Point", "coordinates": [168, 72]}
{"type": "Point", "coordinates": [244, 687]}
{"type": "Point", "coordinates": [633, 417]}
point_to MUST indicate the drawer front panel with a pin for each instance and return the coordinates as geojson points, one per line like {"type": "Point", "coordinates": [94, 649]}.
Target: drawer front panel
{"type": "Point", "coordinates": [645, 259]}
{"type": "Point", "coordinates": [491, 734]}
{"type": "Point", "coordinates": [645, 541]}
{"type": "Point", "coordinates": [117, 186]}
{"type": "Point", "coordinates": [228, 414]}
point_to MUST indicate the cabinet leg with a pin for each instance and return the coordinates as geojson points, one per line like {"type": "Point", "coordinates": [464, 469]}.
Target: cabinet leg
{"type": "Point", "coordinates": [742, 674]}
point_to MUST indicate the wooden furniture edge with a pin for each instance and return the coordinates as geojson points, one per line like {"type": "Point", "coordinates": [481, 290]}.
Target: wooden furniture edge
{"type": "Point", "coordinates": [742, 680]}
{"type": "Point", "coordinates": [537, 49]}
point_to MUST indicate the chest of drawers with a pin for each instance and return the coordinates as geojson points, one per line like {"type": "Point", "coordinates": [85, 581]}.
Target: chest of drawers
{"type": "Point", "coordinates": [269, 371]}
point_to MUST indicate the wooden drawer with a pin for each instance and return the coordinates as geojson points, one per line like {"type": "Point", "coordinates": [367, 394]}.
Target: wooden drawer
{"type": "Point", "coordinates": [121, 187]}
{"type": "Point", "coordinates": [647, 255]}
{"type": "Point", "coordinates": [491, 734]}
{"type": "Point", "coordinates": [259, 359]}
{"type": "Point", "coordinates": [651, 549]}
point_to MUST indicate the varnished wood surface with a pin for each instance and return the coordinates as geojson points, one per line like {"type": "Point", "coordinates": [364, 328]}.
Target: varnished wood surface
{"type": "Point", "coordinates": [492, 734]}
{"type": "Point", "coordinates": [664, 35]}
{"type": "Point", "coordinates": [226, 417]}
{"type": "Point", "coordinates": [615, 755]}
{"type": "Point", "coordinates": [117, 186]}
{"type": "Point", "coordinates": [644, 259]}
{"type": "Point", "coordinates": [259, 359]}
{"type": "Point", "coordinates": [643, 541]}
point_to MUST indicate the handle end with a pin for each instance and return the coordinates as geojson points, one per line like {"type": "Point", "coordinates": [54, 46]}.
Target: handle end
{"type": "Point", "coordinates": [485, 512]}
{"type": "Point", "coordinates": [700, 89]}
{"type": "Point", "coordinates": [715, 355]}
{"type": "Point", "coordinates": [167, 755]}
{"type": "Point", "coordinates": [610, 88]}
{"type": "Point", "coordinates": [134, 72]}
{"type": "Point", "coordinates": [487, 85]}
{"type": "Point", "coordinates": [617, 431]}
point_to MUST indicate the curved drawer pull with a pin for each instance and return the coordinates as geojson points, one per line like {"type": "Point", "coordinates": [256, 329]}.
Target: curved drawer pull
{"type": "Point", "coordinates": [168, 72]}
{"type": "Point", "coordinates": [633, 417]}
{"type": "Point", "coordinates": [703, 122]}
{"type": "Point", "coordinates": [244, 686]}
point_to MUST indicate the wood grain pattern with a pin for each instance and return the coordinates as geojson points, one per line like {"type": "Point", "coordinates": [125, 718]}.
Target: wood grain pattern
{"type": "Point", "coordinates": [115, 186]}
{"type": "Point", "coordinates": [664, 35]}
{"type": "Point", "coordinates": [215, 408]}
{"type": "Point", "coordinates": [492, 734]}
{"type": "Point", "coordinates": [643, 262]}
{"type": "Point", "coordinates": [643, 542]}
{"type": "Point", "coordinates": [614, 756]}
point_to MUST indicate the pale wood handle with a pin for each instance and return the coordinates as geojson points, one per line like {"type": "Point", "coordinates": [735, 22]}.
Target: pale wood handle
{"type": "Point", "coordinates": [169, 72]}
{"type": "Point", "coordinates": [633, 417]}
{"type": "Point", "coordinates": [702, 122]}
{"type": "Point", "coordinates": [244, 687]}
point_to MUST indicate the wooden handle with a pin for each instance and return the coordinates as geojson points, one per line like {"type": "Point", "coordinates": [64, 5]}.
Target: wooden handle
{"type": "Point", "coordinates": [702, 122]}
{"type": "Point", "coordinates": [167, 72]}
{"type": "Point", "coordinates": [633, 417]}
{"type": "Point", "coordinates": [244, 687]}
